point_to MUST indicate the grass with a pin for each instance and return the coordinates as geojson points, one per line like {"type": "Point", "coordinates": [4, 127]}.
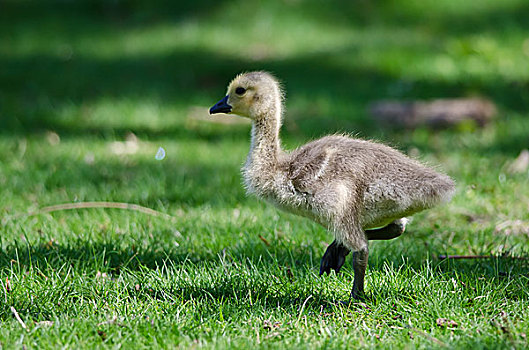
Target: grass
{"type": "Point", "coordinates": [230, 271]}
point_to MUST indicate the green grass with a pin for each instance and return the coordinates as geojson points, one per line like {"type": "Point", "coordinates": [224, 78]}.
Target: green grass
{"type": "Point", "coordinates": [230, 271]}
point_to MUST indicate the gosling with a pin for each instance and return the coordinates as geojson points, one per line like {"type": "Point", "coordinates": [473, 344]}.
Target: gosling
{"type": "Point", "coordinates": [357, 189]}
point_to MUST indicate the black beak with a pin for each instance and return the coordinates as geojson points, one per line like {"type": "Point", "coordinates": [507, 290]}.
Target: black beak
{"type": "Point", "coordinates": [221, 107]}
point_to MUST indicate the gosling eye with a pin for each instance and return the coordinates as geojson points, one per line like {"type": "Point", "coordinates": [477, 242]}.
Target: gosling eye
{"type": "Point", "coordinates": [240, 90]}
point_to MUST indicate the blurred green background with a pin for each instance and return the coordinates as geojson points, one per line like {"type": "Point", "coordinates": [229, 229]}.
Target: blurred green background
{"type": "Point", "coordinates": [89, 90]}
{"type": "Point", "coordinates": [93, 70]}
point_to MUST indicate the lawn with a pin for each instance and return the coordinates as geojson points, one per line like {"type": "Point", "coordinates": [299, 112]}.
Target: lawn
{"type": "Point", "coordinates": [89, 90]}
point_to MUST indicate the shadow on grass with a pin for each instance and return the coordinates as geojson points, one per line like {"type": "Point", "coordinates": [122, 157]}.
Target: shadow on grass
{"type": "Point", "coordinates": [177, 78]}
{"type": "Point", "coordinates": [37, 94]}
{"type": "Point", "coordinates": [172, 184]}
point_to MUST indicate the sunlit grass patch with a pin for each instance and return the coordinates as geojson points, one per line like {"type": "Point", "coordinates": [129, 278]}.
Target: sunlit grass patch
{"type": "Point", "coordinates": [89, 92]}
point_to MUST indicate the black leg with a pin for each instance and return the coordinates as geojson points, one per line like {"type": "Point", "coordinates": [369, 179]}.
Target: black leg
{"type": "Point", "coordinates": [334, 258]}
{"type": "Point", "coordinates": [335, 255]}
{"type": "Point", "coordinates": [391, 231]}
{"type": "Point", "coordinates": [359, 266]}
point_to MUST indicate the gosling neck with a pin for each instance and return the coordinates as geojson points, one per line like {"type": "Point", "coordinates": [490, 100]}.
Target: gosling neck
{"type": "Point", "coordinates": [265, 147]}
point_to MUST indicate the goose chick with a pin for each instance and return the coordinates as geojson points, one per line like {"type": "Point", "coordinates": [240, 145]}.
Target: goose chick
{"type": "Point", "coordinates": [357, 189]}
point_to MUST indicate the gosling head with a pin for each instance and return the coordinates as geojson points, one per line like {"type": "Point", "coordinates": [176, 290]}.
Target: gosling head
{"type": "Point", "coordinates": [254, 95]}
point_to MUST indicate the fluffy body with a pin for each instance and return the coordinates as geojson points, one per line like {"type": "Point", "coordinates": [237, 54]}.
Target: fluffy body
{"type": "Point", "coordinates": [347, 185]}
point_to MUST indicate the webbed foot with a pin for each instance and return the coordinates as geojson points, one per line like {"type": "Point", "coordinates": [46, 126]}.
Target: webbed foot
{"type": "Point", "coordinates": [334, 258]}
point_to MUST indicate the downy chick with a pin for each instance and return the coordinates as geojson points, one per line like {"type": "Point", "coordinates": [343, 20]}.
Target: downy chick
{"type": "Point", "coordinates": [357, 189]}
